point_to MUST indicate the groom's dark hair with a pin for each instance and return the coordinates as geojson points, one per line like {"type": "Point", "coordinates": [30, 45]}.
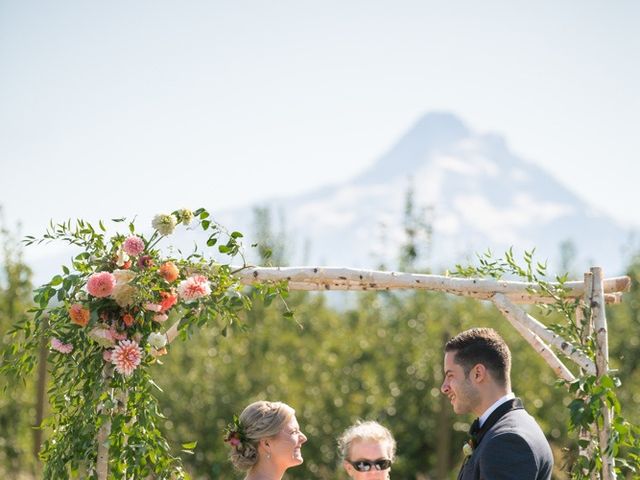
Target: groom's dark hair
{"type": "Point", "coordinates": [485, 346]}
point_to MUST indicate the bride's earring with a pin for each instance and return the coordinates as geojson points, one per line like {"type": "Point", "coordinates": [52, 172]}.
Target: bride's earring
{"type": "Point", "coordinates": [269, 456]}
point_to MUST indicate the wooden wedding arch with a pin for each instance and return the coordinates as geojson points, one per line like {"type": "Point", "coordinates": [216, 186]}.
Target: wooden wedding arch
{"type": "Point", "coordinates": [593, 291]}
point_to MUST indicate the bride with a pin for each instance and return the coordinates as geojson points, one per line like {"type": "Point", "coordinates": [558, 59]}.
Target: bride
{"type": "Point", "coordinates": [265, 440]}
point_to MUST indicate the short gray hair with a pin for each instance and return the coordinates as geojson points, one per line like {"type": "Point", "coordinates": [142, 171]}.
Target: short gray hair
{"type": "Point", "coordinates": [365, 431]}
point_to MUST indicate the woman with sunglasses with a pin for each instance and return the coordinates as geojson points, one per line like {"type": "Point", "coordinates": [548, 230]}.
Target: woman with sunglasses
{"type": "Point", "coordinates": [367, 450]}
{"type": "Point", "coordinates": [265, 440]}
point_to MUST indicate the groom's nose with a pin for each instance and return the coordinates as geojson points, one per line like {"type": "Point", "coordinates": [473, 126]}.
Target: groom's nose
{"type": "Point", "coordinates": [444, 388]}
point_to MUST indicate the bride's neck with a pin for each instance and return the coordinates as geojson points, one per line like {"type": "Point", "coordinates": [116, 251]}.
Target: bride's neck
{"type": "Point", "coordinates": [263, 475]}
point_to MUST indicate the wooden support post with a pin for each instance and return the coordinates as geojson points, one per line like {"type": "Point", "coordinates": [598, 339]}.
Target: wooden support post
{"type": "Point", "coordinates": [515, 314]}
{"type": "Point", "coordinates": [102, 462]}
{"type": "Point", "coordinates": [602, 367]}
{"type": "Point", "coordinates": [41, 392]}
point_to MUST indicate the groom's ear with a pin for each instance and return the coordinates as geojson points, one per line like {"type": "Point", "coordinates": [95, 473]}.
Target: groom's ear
{"type": "Point", "coordinates": [478, 373]}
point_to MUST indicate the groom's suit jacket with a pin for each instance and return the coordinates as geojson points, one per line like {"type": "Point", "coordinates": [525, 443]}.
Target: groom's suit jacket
{"type": "Point", "coordinates": [510, 445]}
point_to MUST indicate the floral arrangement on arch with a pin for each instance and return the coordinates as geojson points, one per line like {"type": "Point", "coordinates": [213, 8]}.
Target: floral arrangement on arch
{"type": "Point", "coordinates": [108, 317]}
{"type": "Point", "coordinates": [124, 305]}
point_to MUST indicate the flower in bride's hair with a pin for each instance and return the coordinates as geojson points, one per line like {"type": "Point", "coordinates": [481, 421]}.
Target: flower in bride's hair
{"type": "Point", "coordinates": [234, 434]}
{"type": "Point", "coordinates": [164, 224]}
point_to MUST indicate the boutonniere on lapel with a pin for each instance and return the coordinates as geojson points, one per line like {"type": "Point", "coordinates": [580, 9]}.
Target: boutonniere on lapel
{"type": "Point", "coordinates": [472, 440]}
{"type": "Point", "coordinates": [467, 448]}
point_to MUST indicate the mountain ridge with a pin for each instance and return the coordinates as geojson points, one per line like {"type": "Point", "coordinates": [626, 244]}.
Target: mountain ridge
{"type": "Point", "coordinates": [477, 193]}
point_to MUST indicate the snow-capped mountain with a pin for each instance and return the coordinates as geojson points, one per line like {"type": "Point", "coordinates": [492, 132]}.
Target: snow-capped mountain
{"type": "Point", "coordinates": [469, 190]}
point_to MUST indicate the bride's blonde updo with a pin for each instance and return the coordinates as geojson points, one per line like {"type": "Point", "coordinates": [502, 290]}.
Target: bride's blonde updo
{"type": "Point", "coordinates": [259, 420]}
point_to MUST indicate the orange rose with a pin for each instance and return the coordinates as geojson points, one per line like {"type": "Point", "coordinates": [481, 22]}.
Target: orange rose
{"type": "Point", "coordinates": [128, 319]}
{"type": "Point", "coordinates": [79, 315]}
{"type": "Point", "coordinates": [169, 272]}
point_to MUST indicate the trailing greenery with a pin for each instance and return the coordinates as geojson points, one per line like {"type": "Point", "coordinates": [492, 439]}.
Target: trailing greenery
{"type": "Point", "coordinates": [104, 318]}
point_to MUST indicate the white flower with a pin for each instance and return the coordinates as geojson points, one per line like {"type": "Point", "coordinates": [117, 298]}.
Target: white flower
{"type": "Point", "coordinates": [185, 216]}
{"type": "Point", "coordinates": [124, 294]}
{"type": "Point", "coordinates": [165, 224]}
{"type": "Point", "coordinates": [102, 336]}
{"type": "Point", "coordinates": [121, 257]}
{"type": "Point", "coordinates": [467, 449]}
{"type": "Point", "coordinates": [123, 276]}
{"type": "Point", "coordinates": [157, 340]}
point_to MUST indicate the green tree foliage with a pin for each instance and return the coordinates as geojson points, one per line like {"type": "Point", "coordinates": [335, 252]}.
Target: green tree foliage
{"type": "Point", "coordinates": [381, 360]}
{"type": "Point", "coordinates": [17, 398]}
{"type": "Point", "coordinates": [624, 344]}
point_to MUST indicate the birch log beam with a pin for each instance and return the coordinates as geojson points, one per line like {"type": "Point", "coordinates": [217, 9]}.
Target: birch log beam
{"type": "Point", "coordinates": [543, 350]}
{"type": "Point", "coordinates": [602, 367]}
{"type": "Point", "coordinates": [512, 311]}
{"type": "Point", "coordinates": [335, 278]}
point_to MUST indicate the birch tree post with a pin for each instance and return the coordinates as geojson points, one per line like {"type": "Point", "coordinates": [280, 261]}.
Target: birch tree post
{"type": "Point", "coordinates": [602, 365]}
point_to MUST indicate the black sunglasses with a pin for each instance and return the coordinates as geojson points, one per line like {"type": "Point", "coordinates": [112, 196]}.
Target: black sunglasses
{"type": "Point", "coordinates": [368, 465]}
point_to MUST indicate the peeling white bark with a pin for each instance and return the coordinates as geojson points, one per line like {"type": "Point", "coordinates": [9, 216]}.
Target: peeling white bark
{"type": "Point", "coordinates": [511, 310]}
{"type": "Point", "coordinates": [545, 352]}
{"type": "Point", "coordinates": [337, 278]}
{"type": "Point", "coordinates": [602, 367]}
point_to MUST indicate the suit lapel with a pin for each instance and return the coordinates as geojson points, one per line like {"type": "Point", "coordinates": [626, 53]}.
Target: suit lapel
{"type": "Point", "coordinates": [497, 414]}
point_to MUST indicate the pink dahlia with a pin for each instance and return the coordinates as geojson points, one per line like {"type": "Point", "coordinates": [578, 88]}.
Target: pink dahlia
{"type": "Point", "coordinates": [126, 357]}
{"type": "Point", "coordinates": [193, 288]}
{"type": "Point", "coordinates": [101, 284]}
{"type": "Point", "coordinates": [133, 246]}
{"type": "Point", "coordinates": [60, 346]}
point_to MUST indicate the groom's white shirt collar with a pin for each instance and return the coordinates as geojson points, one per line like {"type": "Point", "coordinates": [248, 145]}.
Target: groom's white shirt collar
{"type": "Point", "coordinates": [489, 411]}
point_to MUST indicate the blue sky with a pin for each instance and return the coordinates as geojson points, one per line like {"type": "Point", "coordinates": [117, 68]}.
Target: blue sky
{"type": "Point", "coordinates": [121, 108]}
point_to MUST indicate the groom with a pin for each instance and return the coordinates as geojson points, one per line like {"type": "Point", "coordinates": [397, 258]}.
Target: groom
{"type": "Point", "coordinates": [507, 442]}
